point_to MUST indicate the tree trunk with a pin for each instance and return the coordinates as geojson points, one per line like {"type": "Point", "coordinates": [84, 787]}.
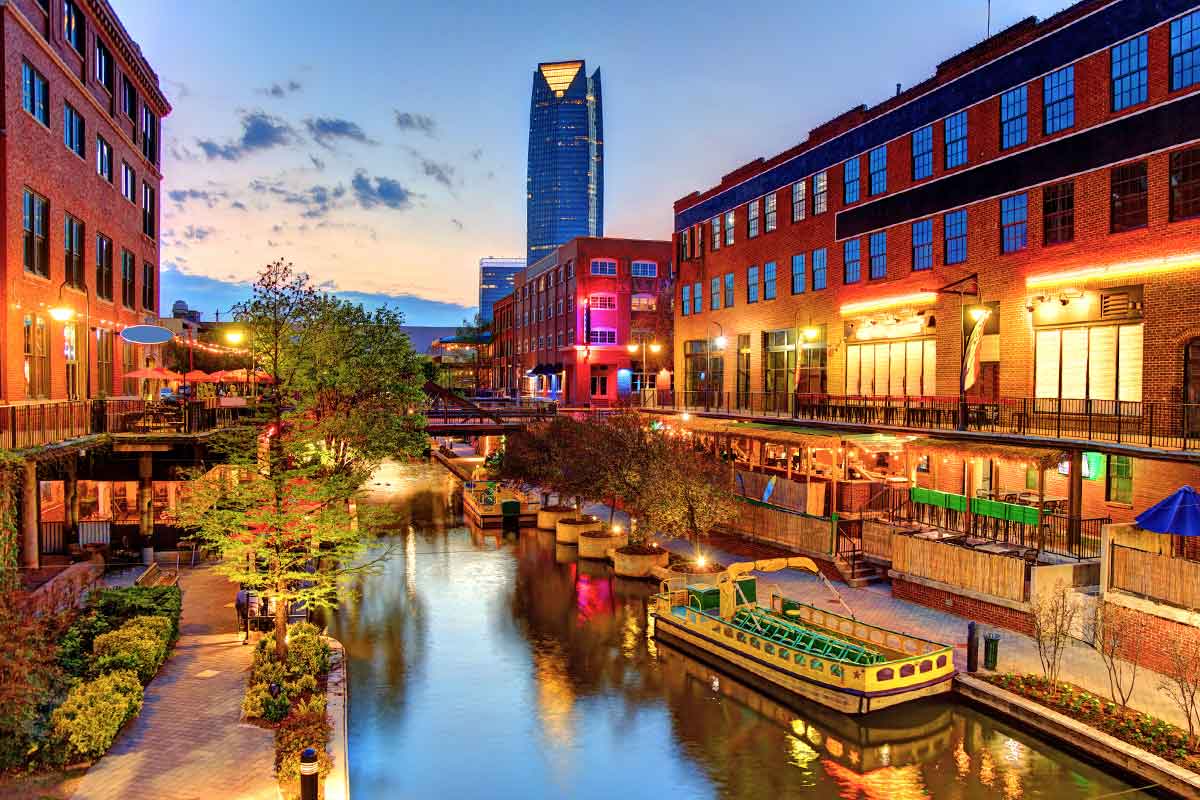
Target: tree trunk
{"type": "Point", "coordinates": [612, 511]}
{"type": "Point", "coordinates": [281, 618]}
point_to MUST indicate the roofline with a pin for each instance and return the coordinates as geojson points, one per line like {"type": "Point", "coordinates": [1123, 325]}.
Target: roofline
{"type": "Point", "coordinates": [131, 51]}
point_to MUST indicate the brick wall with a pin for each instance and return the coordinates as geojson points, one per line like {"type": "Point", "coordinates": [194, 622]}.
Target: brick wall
{"type": "Point", "coordinates": [970, 608]}
{"type": "Point", "coordinates": [1156, 639]}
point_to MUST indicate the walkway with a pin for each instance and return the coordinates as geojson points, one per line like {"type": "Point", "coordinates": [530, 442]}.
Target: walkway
{"type": "Point", "coordinates": [188, 742]}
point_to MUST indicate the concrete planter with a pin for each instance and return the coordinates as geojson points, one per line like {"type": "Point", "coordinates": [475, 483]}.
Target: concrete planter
{"type": "Point", "coordinates": [548, 517]}
{"type": "Point", "coordinates": [565, 554]}
{"type": "Point", "coordinates": [593, 546]}
{"type": "Point", "coordinates": [637, 565]}
{"type": "Point", "coordinates": [566, 531]}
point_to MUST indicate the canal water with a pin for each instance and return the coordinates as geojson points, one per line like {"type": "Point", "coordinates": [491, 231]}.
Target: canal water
{"type": "Point", "coordinates": [491, 667]}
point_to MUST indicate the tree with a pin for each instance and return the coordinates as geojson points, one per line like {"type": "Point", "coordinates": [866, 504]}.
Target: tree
{"type": "Point", "coordinates": [1181, 680]}
{"type": "Point", "coordinates": [688, 492]}
{"type": "Point", "coordinates": [1116, 633]}
{"type": "Point", "coordinates": [526, 462]}
{"type": "Point", "coordinates": [626, 452]}
{"type": "Point", "coordinates": [1053, 614]}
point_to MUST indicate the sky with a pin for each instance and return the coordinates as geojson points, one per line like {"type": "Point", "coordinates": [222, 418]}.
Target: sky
{"type": "Point", "coordinates": [381, 146]}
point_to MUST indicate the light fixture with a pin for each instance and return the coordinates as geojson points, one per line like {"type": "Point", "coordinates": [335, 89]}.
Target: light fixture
{"type": "Point", "coordinates": [811, 333]}
{"type": "Point", "coordinates": [895, 301]}
{"type": "Point", "coordinates": [1185, 261]}
{"type": "Point", "coordinates": [719, 342]}
{"type": "Point", "coordinates": [633, 348]}
{"type": "Point", "coordinates": [655, 347]}
{"type": "Point", "coordinates": [61, 313]}
{"type": "Point", "coordinates": [685, 416]}
{"type": "Point", "coordinates": [701, 561]}
{"type": "Point", "coordinates": [234, 336]}
{"type": "Point", "coordinates": [979, 312]}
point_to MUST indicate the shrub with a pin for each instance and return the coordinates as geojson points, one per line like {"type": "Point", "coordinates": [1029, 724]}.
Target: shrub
{"type": "Point", "coordinates": [275, 709]}
{"type": "Point", "coordinates": [305, 683]}
{"type": "Point", "coordinates": [296, 733]}
{"type": "Point", "coordinates": [304, 629]}
{"type": "Point", "coordinates": [75, 647]}
{"type": "Point", "coordinates": [271, 672]}
{"type": "Point", "coordinates": [159, 627]}
{"type": "Point", "coordinates": [94, 711]}
{"type": "Point", "coordinates": [313, 705]}
{"type": "Point", "coordinates": [255, 700]}
{"type": "Point", "coordinates": [307, 655]}
{"type": "Point", "coordinates": [119, 605]}
{"type": "Point", "coordinates": [130, 645]}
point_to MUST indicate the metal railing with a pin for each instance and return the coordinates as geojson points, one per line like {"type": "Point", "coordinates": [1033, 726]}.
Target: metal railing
{"type": "Point", "coordinates": [39, 423]}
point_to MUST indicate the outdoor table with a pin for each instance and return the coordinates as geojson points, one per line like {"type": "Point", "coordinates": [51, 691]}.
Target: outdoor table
{"type": "Point", "coordinates": [998, 548]}
{"type": "Point", "coordinates": [937, 535]}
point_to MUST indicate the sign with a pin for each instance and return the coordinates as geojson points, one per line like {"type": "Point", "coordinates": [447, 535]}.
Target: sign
{"type": "Point", "coordinates": [147, 334]}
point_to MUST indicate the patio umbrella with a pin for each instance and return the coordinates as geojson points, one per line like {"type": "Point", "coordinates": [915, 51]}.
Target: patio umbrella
{"type": "Point", "coordinates": [198, 376]}
{"type": "Point", "coordinates": [1178, 513]}
{"type": "Point", "coordinates": [154, 374]}
{"type": "Point", "coordinates": [262, 377]}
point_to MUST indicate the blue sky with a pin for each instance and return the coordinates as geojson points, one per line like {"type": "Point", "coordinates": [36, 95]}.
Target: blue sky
{"type": "Point", "coordinates": [381, 148]}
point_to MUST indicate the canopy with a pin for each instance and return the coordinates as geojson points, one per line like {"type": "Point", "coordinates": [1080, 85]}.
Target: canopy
{"type": "Point", "coordinates": [198, 376]}
{"type": "Point", "coordinates": [1178, 513]}
{"type": "Point", "coordinates": [154, 374]}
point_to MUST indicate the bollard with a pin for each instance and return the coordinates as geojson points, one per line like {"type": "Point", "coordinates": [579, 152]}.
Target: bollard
{"type": "Point", "coordinates": [972, 648]}
{"type": "Point", "coordinates": [308, 774]}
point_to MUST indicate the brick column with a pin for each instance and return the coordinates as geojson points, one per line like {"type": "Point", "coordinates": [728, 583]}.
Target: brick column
{"type": "Point", "coordinates": [145, 500]}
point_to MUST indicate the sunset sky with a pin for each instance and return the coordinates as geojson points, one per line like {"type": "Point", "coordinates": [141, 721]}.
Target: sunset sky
{"type": "Point", "coordinates": [381, 147]}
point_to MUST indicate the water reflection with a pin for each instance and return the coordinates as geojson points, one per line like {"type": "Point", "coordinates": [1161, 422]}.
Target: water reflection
{"type": "Point", "coordinates": [492, 666]}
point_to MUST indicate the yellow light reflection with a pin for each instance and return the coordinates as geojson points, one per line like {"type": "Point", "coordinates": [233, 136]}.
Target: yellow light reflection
{"type": "Point", "coordinates": [559, 76]}
{"type": "Point", "coordinates": [866, 306]}
{"type": "Point", "coordinates": [1124, 269]}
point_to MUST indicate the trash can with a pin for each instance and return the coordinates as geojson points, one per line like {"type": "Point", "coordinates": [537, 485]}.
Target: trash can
{"type": "Point", "coordinates": [991, 650]}
{"type": "Point", "coordinates": [510, 515]}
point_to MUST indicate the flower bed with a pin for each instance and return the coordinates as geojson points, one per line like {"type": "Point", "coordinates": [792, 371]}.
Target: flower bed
{"type": "Point", "coordinates": [1141, 730]}
{"type": "Point", "coordinates": [680, 563]}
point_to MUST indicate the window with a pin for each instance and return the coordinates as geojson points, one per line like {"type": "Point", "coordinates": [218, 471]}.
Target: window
{"type": "Point", "coordinates": [37, 357]}
{"type": "Point", "coordinates": [769, 280]}
{"type": "Point", "coordinates": [729, 222]}
{"type": "Point", "coordinates": [878, 247]}
{"type": "Point", "coordinates": [956, 140]}
{"type": "Point", "coordinates": [1014, 117]}
{"type": "Point", "coordinates": [729, 290]}
{"type": "Point", "coordinates": [769, 215]}
{"type": "Point", "coordinates": [685, 249]}
{"type": "Point", "coordinates": [602, 302]}
{"type": "Point", "coordinates": [129, 98]}
{"type": "Point", "coordinates": [104, 66]}
{"type": "Point", "coordinates": [1118, 488]}
{"type": "Point", "coordinates": [104, 159]}
{"type": "Point", "coordinates": [1100, 362]}
{"type": "Point", "coordinates": [129, 386]}
{"type": "Point", "coordinates": [752, 285]}
{"type": "Point", "coordinates": [778, 367]}
{"type": "Point", "coordinates": [35, 94]}
{"type": "Point", "coordinates": [149, 135]}
{"type": "Point", "coordinates": [600, 336]}
{"type": "Point", "coordinates": [877, 163]}
{"type": "Point", "coordinates": [72, 130]}
{"type": "Point", "coordinates": [643, 269]}
{"type": "Point", "coordinates": [955, 235]}
{"type": "Point", "coordinates": [1058, 100]}
{"type": "Point", "coordinates": [714, 293]}
{"type": "Point", "coordinates": [697, 297]}
{"type": "Point", "coordinates": [922, 245]}
{"type": "Point", "coordinates": [798, 201]}
{"type": "Point", "coordinates": [149, 216]}
{"type": "Point", "coordinates": [820, 280]}
{"type": "Point", "coordinates": [73, 25]}
{"type": "Point", "coordinates": [128, 268]}
{"type": "Point", "coordinates": [128, 183]}
{"type": "Point", "coordinates": [850, 180]}
{"type": "Point", "coordinates": [922, 153]}
{"type": "Point", "coordinates": [104, 267]}
{"type": "Point", "coordinates": [752, 219]}
{"type": "Point", "coordinates": [1185, 184]}
{"type": "Point", "coordinates": [35, 211]}
{"type": "Point", "coordinates": [1185, 44]}
{"type": "Point", "coordinates": [851, 261]}
{"type": "Point", "coordinates": [1129, 73]}
{"type": "Point", "coordinates": [73, 252]}
{"type": "Point", "coordinates": [104, 361]}
{"type": "Point", "coordinates": [820, 193]}
{"type": "Point", "coordinates": [798, 277]}
{"type": "Point", "coordinates": [892, 369]}
{"type": "Point", "coordinates": [1014, 214]}
{"type": "Point", "coordinates": [743, 370]}
{"type": "Point", "coordinates": [603, 267]}
{"type": "Point", "coordinates": [71, 357]}
{"type": "Point", "coordinates": [716, 233]}
{"type": "Point", "coordinates": [149, 295]}
{"type": "Point", "coordinates": [685, 300]}
{"type": "Point", "coordinates": [1130, 208]}
{"type": "Point", "coordinates": [1058, 213]}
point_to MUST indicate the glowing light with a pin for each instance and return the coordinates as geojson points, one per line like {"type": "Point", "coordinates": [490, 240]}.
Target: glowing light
{"type": "Point", "coordinates": [895, 301]}
{"type": "Point", "coordinates": [811, 333]}
{"type": "Point", "coordinates": [61, 313]}
{"type": "Point", "coordinates": [701, 561]}
{"type": "Point", "coordinates": [633, 348]}
{"type": "Point", "coordinates": [979, 313]}
{"type": "Point", "coordinates": [234, 337]}
{"type": "Point", "coordinates": [559, 76]}
{"type": "Point", "coordinates": [685, 416]}
{"type": "Point", "coordinates": [720, 342]}
{"type": "Point", "coordinates": [1124, 269]}
{"type": "Point", "coordinates": [655, 347]}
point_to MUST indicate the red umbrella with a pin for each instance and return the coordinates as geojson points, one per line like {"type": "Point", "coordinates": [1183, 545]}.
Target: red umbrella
{"type": "Point", "coordinates": [154, 374]}
{"type": "Point", "coordinates": [262, 377]}
{"type": "Point", "coordinates": [198, 376]}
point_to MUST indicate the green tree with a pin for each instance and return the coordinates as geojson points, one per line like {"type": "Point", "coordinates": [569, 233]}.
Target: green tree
{"type": "Point", "coordinates": [626, 452]}
{"type": "Point", "coordinates": [687, 493]}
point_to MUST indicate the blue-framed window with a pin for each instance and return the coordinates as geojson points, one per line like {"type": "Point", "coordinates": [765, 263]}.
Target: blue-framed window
{"type": "Point", "coordinates": [798, 280]}
{"type": "Point", "coordinates": [769, 215]}
{"type": "Point", "coordinates": [956, 139]}
{"type": "Point", "coordinates": [851, 261]}
{"type": "Point", "coordinates": [877, 163]}
{"type": "Point", "coordinates": [697, 297]}
{"type": "Point", "coordinates": [1129, 60]}
{"type": "Point", "coordinates": [714, 294]}
{"type": "Point", "coordinates": [850, 181]}
{"type": "Point", "coordinates": [798, 200]}
{"type": "Point", "coordinates": [752, 219]}
{"type": "Point", "coordinates": [716, 232]}
{"type": "Point", "coordinates": [1185, 51]}
{"type": "Point", "coordinates": [752, 285]}
{"type": "Point", "coordinates": [769, 280]}
{"type": "Point", "coordinates": [922, 245]}
{"type": "Point", "coordinates": [954, 226]}
{"type": "Point", "coordinates": [922, 153]}
{"type": "Point", "coordinates": [643, 269]}
{"type": "Point", "coordinates": [729, 222]}
{"type": "Point", "coordinates": [820, 279]}
{"type": "Point", "coordinates": [1014, 117]}
{"type": "Point", "coordinates": [1058, 100]}
{"type": "Point", "coordinates": [729, 290]}
{"type": "Point", "coordinates": [820, 193]}
{"type": "Point", "coordinates": [685, 301]}
{"type": "Point", "coordinates": [1014, 218]}
{"type": "Point", "coordinates": [878, 247]}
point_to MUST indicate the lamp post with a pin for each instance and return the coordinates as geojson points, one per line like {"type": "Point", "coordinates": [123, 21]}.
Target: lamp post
{"type": "Point", "coordinates": [236, 337]}
{"type": "Point", "coordinates": [719, 341]}
{"type": "Point", "coordinates": [64, 313]}
{"type": "Point", "coordinates": [632, 347]}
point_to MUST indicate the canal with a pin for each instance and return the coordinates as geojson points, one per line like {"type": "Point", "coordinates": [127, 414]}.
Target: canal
{"type": "Point", "coordinates": [486, 667]}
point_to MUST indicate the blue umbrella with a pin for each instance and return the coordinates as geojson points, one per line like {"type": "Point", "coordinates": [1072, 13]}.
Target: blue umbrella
{"type": "Point", "coordinates": [1178, 513]}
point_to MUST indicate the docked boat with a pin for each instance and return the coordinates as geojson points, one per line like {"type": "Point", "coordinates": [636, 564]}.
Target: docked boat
{"type": "Point", "coordinates": [834, 660]}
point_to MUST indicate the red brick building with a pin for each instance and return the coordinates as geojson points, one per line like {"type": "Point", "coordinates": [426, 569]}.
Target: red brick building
{"type": "Point", "coordinates": [579, 320]}
{"type": "Point", "coordinates": [81, 165]}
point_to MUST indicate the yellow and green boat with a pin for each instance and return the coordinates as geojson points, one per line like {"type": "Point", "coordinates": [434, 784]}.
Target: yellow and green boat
{"type": "Point", "coordinates": [837, 661]}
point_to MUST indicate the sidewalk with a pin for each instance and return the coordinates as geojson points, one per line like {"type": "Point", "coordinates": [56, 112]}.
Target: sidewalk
{"type": "Point", "coordinates": [188, 742]}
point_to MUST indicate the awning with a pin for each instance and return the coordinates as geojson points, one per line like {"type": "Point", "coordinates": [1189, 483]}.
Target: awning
{"type": "Point", "coordinates": [1041, 457]}
{"type": "Point", "coordinates": [538, 370]}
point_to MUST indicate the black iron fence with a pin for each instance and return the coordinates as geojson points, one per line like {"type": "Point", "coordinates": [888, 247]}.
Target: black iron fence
{"type": "Point", "coordinates": [46, 422]}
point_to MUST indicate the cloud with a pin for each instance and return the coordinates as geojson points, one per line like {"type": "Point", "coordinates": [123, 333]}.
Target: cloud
{"type": "Point", "coordinates": [327, 130]}
{"type": "Point", "coordinates": [318, 163]}
{"type": "Point", "coordinates": [198, 232]}
{"type": "Point", "coordinates": [477, 154]}
{"type": "Point", "coordinates": [260, 131]}
{"type": "Point", "coordinates": [440, 171]}
{"type": "Point", "coordinates": [207, 196]}
{"type": "Point", "coordinates": [380, 191]}
{"type": "Point", "coordinates": [421, 123]}
{"type": "Point", "coordinates": [316, 201]}
{"type": "Point", "coordinates": [239, 205]}
{"type": "Point", "coordinates": [280, 89]}
{"type": "Point", "coordinates": [457, 223]}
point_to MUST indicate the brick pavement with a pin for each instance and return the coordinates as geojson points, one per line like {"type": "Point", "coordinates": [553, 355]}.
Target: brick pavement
{"type": "Point", "coordinates": [188, 743]}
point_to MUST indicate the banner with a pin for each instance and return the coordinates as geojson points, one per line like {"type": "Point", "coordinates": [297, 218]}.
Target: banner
{"type": "Point", "coordinates": [971, 355]}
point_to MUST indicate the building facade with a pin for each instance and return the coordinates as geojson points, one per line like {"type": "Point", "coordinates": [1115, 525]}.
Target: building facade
{"type": "Point", "coordinates": [81, 180]}
{"type": "Point", "coordinates": [565, 182]}
{"type": "Point", "coordinates": [587, 325]}
{"type": "Point", "coordinates": [496, 281]}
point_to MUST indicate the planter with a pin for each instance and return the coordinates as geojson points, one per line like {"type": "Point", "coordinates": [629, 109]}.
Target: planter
{"type": "Point", "coordinates": [565, 554]}
{"type": "Point", "coordinates": [566, 531]}
{"type": "Point", "coordinates": [548, 517]}
{"type": "Point", "coordinates": [596, 544]}
{"type": "Point", "coordinates": [638, 565]}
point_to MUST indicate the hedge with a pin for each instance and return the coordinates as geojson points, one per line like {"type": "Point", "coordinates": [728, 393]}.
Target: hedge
{"type": "Point", "coordinates": [93, 713]}
{"type": "Point", "coordinates": [110, 609]}
{"type": "Point", "coordinates": [136, 645]}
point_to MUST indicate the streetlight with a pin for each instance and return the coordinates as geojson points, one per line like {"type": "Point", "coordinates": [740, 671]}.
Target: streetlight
{"type": "Point", "coordinates": [236, 337]}
{"type": "Point", "coordinates": [64, 313]}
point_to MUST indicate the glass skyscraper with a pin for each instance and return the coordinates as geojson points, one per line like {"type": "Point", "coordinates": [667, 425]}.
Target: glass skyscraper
{"type": "Point", "coordinates": [496, 281]}
{"type": "Point", "coordinates": [566, 158]}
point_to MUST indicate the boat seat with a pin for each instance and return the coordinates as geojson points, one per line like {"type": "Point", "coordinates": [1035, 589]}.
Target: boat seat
{"type": "Point", "coordinates": [799, 638]}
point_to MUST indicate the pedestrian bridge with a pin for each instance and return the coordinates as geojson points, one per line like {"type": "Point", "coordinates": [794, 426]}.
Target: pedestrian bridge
{"type": "Point", "coordinates": [450, 414]}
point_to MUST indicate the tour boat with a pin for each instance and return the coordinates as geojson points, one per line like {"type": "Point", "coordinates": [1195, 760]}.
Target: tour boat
{"type": "Point", "coordinates": [837, 661]}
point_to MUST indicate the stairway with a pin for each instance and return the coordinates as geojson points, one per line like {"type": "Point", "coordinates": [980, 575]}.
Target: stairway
{"type": "Point", "coordinates": [857, 572]}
